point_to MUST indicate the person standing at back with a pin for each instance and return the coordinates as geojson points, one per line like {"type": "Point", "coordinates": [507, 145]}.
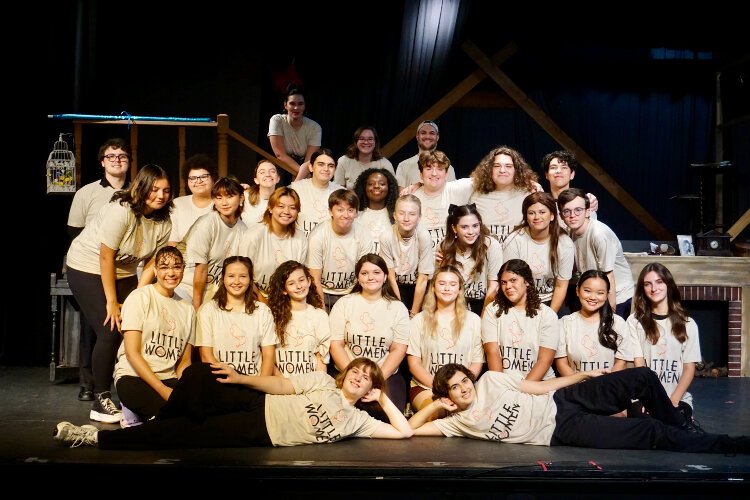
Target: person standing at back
{"type": "Point", "coordinates": [294, 137]}
{"type": "Point", "coordinates": [408, 172]}
{"type": "Point", "coordinates": [114, 157]}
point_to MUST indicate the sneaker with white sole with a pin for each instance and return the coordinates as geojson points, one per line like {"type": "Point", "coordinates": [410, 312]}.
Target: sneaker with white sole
{"type": "Point", "coordinates": [104, 409]}
{"type": "Point", "coordinates": [76, 435]}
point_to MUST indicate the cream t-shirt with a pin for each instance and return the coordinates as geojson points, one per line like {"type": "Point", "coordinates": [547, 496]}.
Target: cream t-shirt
{"type": "Point", "coordinates": [236, 337]}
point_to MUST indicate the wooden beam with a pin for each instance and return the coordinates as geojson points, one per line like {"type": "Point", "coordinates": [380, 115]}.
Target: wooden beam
{"type": "Point", "coordinates": [557, 133]}
{"type": "Point", "coordinates": [444, 104]}
{"type": "Point", "coordinates": [261, 151]}
{"type": "Point", "coordinates": [739, 226]}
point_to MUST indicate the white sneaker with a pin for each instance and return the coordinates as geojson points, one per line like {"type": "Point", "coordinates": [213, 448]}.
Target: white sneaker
{"type": "Point", "coordinates": [75, 435]}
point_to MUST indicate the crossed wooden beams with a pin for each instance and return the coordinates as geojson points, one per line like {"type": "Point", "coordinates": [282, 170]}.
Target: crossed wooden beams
{"type": "Point", "coordinates": [489, 67]}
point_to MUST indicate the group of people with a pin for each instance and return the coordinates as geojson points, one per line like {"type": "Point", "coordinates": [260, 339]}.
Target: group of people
{"type": "Point", "coordinates": [363, 300]}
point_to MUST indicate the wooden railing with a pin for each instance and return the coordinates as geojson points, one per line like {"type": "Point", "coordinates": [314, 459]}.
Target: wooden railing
{"type": "Point", "coordinates": [221, 124]}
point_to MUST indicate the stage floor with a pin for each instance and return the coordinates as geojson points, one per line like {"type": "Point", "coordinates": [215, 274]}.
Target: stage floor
{"type": "Point", "coordinates": [30, 407]}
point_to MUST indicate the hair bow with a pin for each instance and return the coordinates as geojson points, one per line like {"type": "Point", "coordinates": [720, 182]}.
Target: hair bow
{"type": "Point", "coordinates": [452, 208]}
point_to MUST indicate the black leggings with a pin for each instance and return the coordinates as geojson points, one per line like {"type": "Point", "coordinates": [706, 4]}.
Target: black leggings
{"type": "Point", "coordinates": [200, 413]}
{"type": "Point", "coordinates": [141, 398]}
{"type": "Point", "coordinates": [89, 293]}
{"type": "Point", "coordinates": [583, 416]}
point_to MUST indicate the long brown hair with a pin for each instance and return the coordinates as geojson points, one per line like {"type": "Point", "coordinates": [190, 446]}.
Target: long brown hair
{"type": "Point", "coordinates": [555, 231]}
{"type": "Point", "coordinates": [451, 243]}
{"type": "Point", "coordinates": [250, 296]}
{"type": "Point", "coordinates": [677, 314]}
{"type": "Point", "coordinates": [279, 301]}
{"type": "Point", "coordinates": [137, 194]}
{"type": "Point", "coordinates": [523, 176]}
{"type": "Point", "coordinates": [377, 260]}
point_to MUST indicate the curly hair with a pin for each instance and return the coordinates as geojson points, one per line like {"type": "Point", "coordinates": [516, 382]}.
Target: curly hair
{"type": "Point", "coordinates": [279, 301]}
{"type": "Point", "coordinates": [607, 336]}
{"type": "Point", "coordinates": [523, 177]}
{"type": "Point", "coordinates": [352, 151]}
{"type": "Point", "coordinates": [555, 231]}
{"type": "Point", "coordinates": [137, 195]}
{"type": "Point", "coordinates": [250, 295]}
{"type": "Point", "coordinates": [429, 308]}
{"type": "Point", "coordinates": [677, 314]}
{"type": "Point", "coordinates": [200, 162]}
{"type": "Point", "coordinates": [522, 269]}
{"type": "Point", "coordinates": [452, 244]}
{"type": "Point", "coordinates": [360, 188]}
{"type": "Point", "coordinates": [562, 156]}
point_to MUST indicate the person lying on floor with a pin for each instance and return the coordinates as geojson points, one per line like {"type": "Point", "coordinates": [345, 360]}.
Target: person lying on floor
{"type": "Point", "coordinates": [563, 412]}
{"type": "Point", "coordinates": [214, 406]}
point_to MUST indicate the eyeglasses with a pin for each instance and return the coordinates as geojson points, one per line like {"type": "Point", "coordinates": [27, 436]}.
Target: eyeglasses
{"type": "Point", "coordinates": [175, 267]}
{"type": "Point", "coordinates": [196, 178]}
{"type": "Point", "coordinates": [366, 139]}
{"type": "Point", "coordinates": [567, 212]}
{"type": "Point", "coordinates": [113, 157]}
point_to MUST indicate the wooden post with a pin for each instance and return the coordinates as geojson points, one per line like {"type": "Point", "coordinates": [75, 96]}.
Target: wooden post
{"type": "Point", "coordinates": [539, 116]}
{"type": "Point", "coordinates": [444, 104]}
{"type": "Point", "coordinates": [181, 144]}
{"type": "Point", "coordinates": [222, 128]}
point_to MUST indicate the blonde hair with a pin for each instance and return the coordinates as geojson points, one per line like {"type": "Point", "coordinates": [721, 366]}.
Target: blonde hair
{"type": "Point", "coordinates": [429, 308]}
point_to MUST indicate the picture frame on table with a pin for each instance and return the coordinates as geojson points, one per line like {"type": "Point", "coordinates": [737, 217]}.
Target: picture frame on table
{"type": "Point", "coordinates": [685, 245]}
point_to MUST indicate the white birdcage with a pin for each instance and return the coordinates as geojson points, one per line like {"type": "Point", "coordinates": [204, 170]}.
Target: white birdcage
{"type": "Point", "coordinates": [61, 169]}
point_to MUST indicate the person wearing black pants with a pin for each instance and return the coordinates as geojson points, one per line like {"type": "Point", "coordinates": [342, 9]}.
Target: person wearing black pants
{"type": "Point", "coordinates": [563, 412]}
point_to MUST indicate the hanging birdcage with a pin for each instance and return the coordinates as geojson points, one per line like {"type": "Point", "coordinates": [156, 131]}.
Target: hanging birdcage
{"type": "Point", "coordinates": [61, 169]}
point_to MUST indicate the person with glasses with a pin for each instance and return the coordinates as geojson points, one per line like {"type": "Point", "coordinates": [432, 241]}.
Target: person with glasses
{"type": "Point", "coordinates": [362, 154]}
{"type": "Point", "coordinates": [114, 157]}
{"type": "Point", "coordinates": [102, 264]}
{"type": "Point", "coordinates": [559, 169]}
{"type": "Point", "coordinates": [294, 137]}
{"type": "Point", "coordinates": [408, 171]}
{"type": "Point", "coordinates": [597, 247]}
{"type": "Point", "coordinates": [158, 330]}
{"type": "Point", "coordinates": [199, 173]}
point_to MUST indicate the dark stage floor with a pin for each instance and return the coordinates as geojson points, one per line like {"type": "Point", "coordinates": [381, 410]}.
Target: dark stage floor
{"type": "Point", "coordinates": [30, 406]}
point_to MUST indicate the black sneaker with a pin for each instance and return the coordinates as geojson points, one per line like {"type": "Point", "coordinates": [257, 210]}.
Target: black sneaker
{"type": "Point", "coordinates": [104, 409]}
